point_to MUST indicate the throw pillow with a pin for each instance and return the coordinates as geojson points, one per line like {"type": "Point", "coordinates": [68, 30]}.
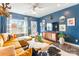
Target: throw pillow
{"type": "Point", "coordinates": [5, 36]}
{"type": "Point", "coordinates": [1, 41]}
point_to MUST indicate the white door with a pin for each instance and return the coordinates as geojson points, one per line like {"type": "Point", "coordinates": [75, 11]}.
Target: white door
{"type": "Point", "coordinates": [33, 27]}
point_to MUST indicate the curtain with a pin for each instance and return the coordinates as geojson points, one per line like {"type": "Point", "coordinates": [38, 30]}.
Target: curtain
{"type": "Point", "coordinates": [3, 24]}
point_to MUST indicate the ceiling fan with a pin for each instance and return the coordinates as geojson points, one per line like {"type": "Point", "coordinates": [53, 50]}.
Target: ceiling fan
{"type": "Point", "coordinates": [36, 7]}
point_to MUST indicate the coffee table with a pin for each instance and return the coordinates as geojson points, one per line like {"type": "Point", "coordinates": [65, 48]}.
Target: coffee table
{"type": "Point", "coordinates": [37, 45]}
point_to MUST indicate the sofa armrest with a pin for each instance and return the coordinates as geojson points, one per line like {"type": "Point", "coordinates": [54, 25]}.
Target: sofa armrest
{"type": "Point", "coordinates": [27, 52]}
{"type": "Point", "coordinates": [7, 51]}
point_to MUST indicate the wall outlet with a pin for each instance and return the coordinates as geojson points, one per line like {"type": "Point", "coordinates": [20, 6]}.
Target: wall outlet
{"type": "Point", "coordinates": [76, 40]}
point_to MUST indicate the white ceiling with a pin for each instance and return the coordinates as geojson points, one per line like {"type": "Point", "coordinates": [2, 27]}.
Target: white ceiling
{"type": "Point", "coordinates": [46, 8]}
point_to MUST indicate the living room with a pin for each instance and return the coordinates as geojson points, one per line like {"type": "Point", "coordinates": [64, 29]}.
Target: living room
{"type": "Point", "coordinates": [39, 29]}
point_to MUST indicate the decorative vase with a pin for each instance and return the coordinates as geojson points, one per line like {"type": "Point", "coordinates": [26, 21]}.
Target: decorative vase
{"type": "Point", "coordinates": [61, 40]}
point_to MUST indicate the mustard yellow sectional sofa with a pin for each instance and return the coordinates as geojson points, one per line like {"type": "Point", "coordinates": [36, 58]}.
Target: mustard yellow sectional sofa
{"type": "Point", "coordinates": [12, 47]}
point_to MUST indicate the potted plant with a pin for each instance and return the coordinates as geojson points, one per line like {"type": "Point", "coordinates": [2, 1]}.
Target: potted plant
{"type": "Point", "coordinates": [39, 38]}
{"type": "Point", "coordinates": [61, 38]}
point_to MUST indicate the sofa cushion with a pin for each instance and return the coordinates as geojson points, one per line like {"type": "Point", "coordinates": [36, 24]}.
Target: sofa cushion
{"type": "Point", "coordinates": [19, 50]}
{"type": "Point", "coordinates": [5, 37]}
{"type": "Point", "coordinates": [7, 51]}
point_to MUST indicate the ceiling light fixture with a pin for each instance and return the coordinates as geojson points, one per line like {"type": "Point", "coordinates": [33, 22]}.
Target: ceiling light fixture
{"type": "Point", "coordinates": [36, 8]}
{"type": "Point", "coordinates": [58, 5]}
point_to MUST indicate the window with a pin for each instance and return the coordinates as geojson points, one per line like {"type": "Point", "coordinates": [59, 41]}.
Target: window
{"type": "Point", "coordinates": [42, 26]}
{"type": "Point", "coordinates": [49, 27]}
{"type": "Point", "coordinates": [17, 26]}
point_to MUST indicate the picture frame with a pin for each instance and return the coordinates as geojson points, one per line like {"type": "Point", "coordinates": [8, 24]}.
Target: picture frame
{"type": "Point", "coordinates": [62, 27]}
{"type": "Point", "coordinates": [71, 22]}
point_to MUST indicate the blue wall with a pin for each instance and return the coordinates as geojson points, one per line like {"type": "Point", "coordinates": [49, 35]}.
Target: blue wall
{"type": "Point", "coordinates": [71, 30]}
{"type": "Point", "coordinates": [3, 24]}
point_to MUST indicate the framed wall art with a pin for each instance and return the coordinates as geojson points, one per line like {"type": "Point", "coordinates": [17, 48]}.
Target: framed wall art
{"type": "Point", "coordinates": [71, 22]}
{"type": "Point", "coordinates": [62, 19]}
{"type": "Point", "coordinates": [62, 27]}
